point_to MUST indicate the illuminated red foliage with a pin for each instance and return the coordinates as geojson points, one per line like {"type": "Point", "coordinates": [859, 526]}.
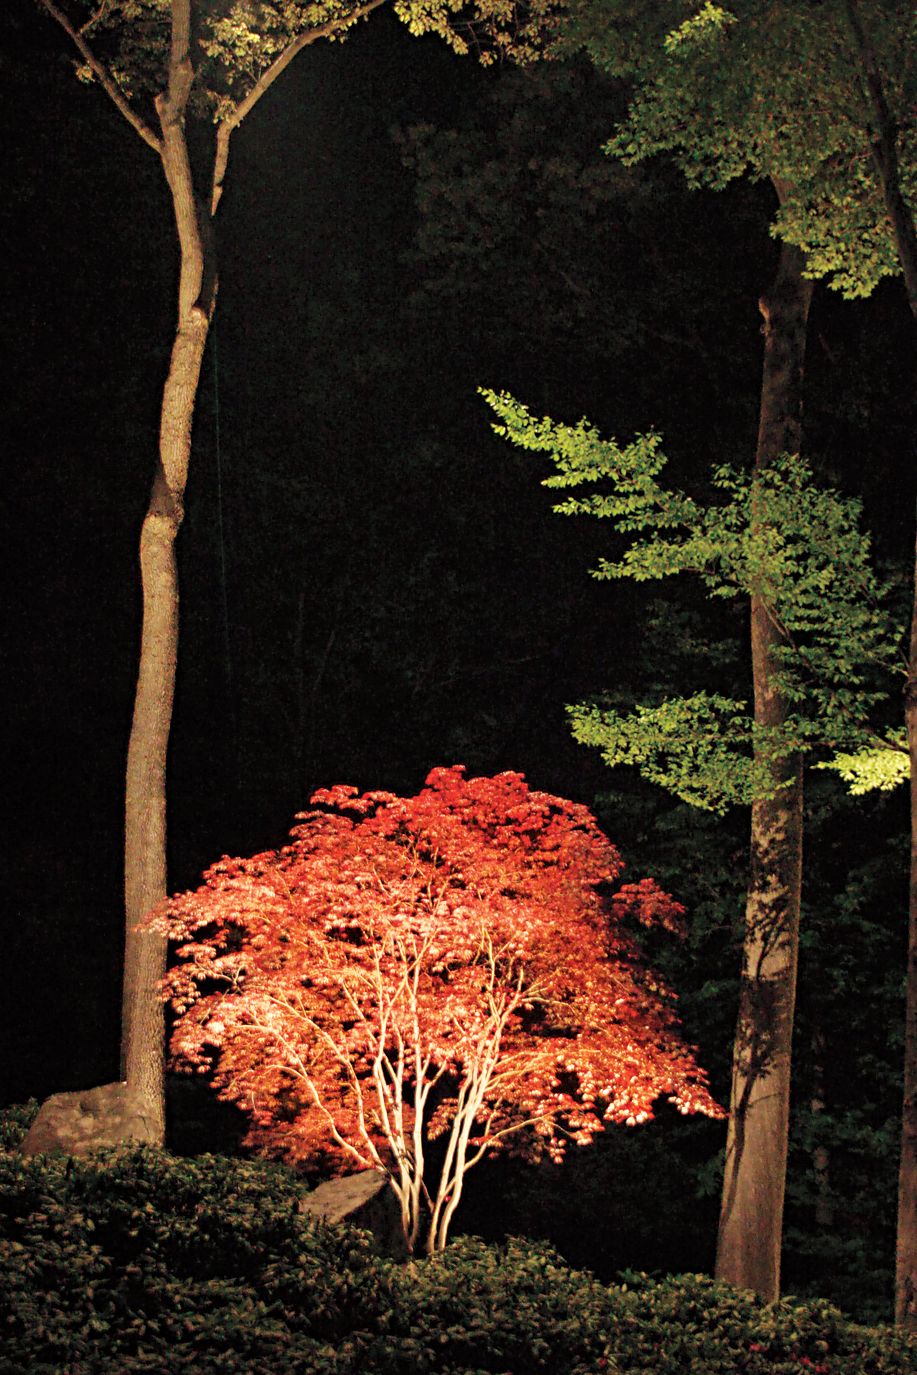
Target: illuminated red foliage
{"type": "Point", "coordinates": [459, 964]}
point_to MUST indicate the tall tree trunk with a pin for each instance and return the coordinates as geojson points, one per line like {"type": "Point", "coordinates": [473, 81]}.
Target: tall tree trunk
{"type": "Point", "coordinates": [906, 1232]}
{"type": "Point", "coordinates": [751, 1214]}
{"type": "Point", "coordinates": [142, 1026]}
{"type": "Point", "coordinates": [904, 229]}
{"type": "Point", "coordinates": [142, 1019]}
{"type": "Point", "coordinates": [142, 1015]}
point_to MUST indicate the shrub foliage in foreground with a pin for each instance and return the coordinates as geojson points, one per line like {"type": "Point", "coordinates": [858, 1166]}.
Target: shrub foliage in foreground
{"type": "Point", "coordinates": [142, 1262]}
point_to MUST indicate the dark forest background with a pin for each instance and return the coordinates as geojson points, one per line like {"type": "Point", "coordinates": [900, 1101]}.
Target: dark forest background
{"type": "Point", "coordinates": [373, 584]}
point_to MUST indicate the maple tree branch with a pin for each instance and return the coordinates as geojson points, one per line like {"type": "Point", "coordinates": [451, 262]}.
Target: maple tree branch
{"type": "Point", "coordinates": [381, 1065]}
{"type": "Point", "coordinates": [306, 1077]}
{"type": "Point", "coordinates": [456, 1165]}
{"type": "Point", "coordinates": [384, 1073]}
{"type": "Point", "coordinates": [102, 74]}
{"type": "Point", "coordinates": [469, 1100]}
{"type": "Point", "coordinates": [264, 82]}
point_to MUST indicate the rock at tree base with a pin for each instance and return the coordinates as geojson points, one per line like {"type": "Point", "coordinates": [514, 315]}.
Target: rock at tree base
{"type": "Point", "coordinates": [363, 1199]}
{"type": "Point", "coordinates": [82, 1121]}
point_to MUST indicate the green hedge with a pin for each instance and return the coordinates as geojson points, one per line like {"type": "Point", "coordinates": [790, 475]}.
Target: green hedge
{"type": "Point", "coordinates": [137, 1261]}
{"type": "Point", "coordinates": [15, 1122]}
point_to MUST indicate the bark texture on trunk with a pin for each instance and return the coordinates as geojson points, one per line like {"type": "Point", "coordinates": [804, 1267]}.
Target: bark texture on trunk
{"type": "Point", "coordinates": [142, 1019]}
{"type": "Point", "coordinates": [142, 1013]}
{"type": "Point", "coordinates": [906, 1235]}
{"type": "Point", "coordinates": [751, 1213]}
{"type": "Point", "coordinates": [901, 218]}
{"type": "Point", "coordinates": [142, 1027]}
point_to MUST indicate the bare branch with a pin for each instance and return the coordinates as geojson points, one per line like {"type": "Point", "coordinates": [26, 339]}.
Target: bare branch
{"type": "Point", "coordinates": [103, 76]}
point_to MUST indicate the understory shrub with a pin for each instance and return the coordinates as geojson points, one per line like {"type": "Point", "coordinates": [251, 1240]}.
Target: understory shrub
{"type": "Point", "coordinates": [148, 1264]}
{"type": "Point", "coordinates": [15, 1122]}
{"type": "Point", "coordinates": [693, 1323]}
{"type": "Point", "coordinates": [135, 1260]}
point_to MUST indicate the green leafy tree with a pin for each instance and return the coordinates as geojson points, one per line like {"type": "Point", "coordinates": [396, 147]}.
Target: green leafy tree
{"type": "Point", "coordinates": [804, 97]}
{"type": "Point", "coordinates": [780, 541]}
{"type": "Point", "coordinates": [888, 79]}
{"type": "Point", "coordinates": [184, 75]}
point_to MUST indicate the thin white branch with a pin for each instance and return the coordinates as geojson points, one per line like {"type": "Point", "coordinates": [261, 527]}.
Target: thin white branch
{"type": "Point", "coordinates": [344, 1061]}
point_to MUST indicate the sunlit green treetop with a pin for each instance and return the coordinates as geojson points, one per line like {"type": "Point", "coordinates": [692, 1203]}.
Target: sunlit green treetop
{"type": "Point", "coordinates": [778, 91]}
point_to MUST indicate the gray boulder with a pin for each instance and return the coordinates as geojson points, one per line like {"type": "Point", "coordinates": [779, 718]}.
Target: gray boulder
{"type": "Point", "coordinates": [82, 1121]}
{"type": "Point", "coordinates": [363, 1199]}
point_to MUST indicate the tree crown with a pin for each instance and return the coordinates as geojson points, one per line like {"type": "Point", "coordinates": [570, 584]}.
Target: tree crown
{"type": "Point", "coordinates": [776, 91]}
{"type": "Point", "coordinates": [460, 963]}
{"type": "Point", "coordinates": [236, 45]}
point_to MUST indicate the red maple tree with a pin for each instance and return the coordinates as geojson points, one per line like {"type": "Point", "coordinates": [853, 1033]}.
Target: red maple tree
{"type": "Point", "coordinates": [455, 965]}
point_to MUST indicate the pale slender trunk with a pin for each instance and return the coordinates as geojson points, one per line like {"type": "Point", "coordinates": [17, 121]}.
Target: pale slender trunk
{"type": "Point", "coordinates": [142, 1014]}
{"type": "Point", "coordinates": [751, 1215]}
{"type": "Point", "coordinates": [142, 1019]}
{"type": "Point", "coordinates": [142, 1028]}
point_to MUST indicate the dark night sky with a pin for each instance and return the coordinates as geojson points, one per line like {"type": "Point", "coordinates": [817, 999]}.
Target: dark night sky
{"type": "Point", "coordinates": [442, 612]}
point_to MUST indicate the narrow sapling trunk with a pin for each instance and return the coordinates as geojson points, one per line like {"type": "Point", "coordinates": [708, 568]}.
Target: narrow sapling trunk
{"type": "Point", "coordinates": [751, 1216]}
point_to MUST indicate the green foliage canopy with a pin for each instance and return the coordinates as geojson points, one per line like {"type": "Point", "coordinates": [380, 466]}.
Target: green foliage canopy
{"type": "Point", "coordinates": [778, 535]}
{"type": "Point", "coordinates": [239, 47]}
{"type": "Point", "coordinates": [775, 91]}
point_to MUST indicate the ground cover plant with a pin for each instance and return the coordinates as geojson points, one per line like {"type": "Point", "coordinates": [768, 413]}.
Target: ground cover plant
{"type": "Point", "coordinates": [143, 1262]}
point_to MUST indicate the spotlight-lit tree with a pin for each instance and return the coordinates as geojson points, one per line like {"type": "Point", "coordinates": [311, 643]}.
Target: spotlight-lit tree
{"type": "Point", "coordinates": [169, 66]}
{"type": "Point", "coordinates": [455, 965]}
{"type": "Point", "coordinates": [818, 100]}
